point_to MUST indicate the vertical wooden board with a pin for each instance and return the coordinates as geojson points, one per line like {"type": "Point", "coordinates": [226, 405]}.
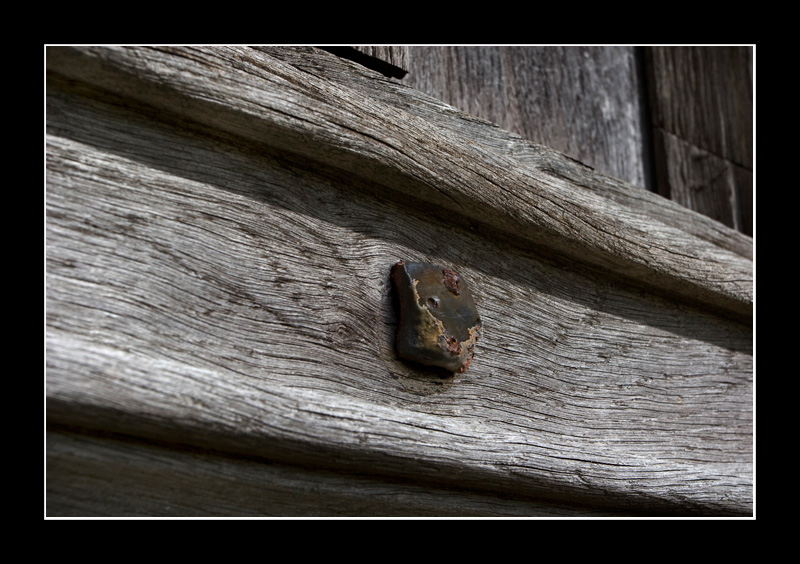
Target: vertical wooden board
{"type": "Point", "coordinates": [702, 111]}
{"type": "Point", "coordinates": [702, 181]}
{"type": "Point", "coordinates": [582, 101]}
{"type": "Point", "coordinates": [704, 95]}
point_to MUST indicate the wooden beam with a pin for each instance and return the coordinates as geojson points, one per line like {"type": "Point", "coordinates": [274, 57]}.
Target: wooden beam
{"type": "Point", "coordinates": [98, 476]}
{"type": "Point", "coordinates": [396, 149]}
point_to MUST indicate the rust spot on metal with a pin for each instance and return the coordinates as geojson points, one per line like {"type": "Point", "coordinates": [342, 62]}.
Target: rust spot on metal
{"type": "Point", "coordinates": [439, 323]}
{"type": "Point", "coordinates": [450, 279]}
{"type": "Point", "coordinates": [450, 344]}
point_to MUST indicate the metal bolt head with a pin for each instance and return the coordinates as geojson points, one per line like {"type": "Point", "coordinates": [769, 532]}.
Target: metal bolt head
{"type": "Point", "coordinates": [439, 323]}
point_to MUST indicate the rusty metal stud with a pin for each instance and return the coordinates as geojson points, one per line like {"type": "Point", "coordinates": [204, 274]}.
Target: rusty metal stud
{"type": "Point", "coordinates": [439, 323]}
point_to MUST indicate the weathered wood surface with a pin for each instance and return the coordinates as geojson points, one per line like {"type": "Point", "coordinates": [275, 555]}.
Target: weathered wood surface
{"type": "Point", "coordinates": [308, 116]}
{"type": "Point", "coordinates": [702, 105]}
{"type": "Point", "coordinates": [528, 155]}
{"type": "Point", "coordinates": [586, 102]}
{"type": "Point", "coordinates": [217, 276]}
{"type": "Point", "coordinates": [87, 475]}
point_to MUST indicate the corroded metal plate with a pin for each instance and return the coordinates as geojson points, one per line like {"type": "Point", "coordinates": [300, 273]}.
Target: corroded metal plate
{"type": "Point", "coordinates": [439, 323]}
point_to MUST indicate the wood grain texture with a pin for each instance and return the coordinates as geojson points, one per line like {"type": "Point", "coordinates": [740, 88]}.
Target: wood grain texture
{"type": "Point", "coordinates": [702, 103]}
{"type": "Point", "coordinates": [327, 122]}
{"type": "Point", "coordinates": [702, 181]}
{"type": "Point", "coordinates": [704, 95]}
{"type": "Point", "coordinates": [585, 102]}
{"type": "Point", "coordinates": [545, 160]}
{"type": "Point", "coordinates": [205, 287]}
{"type": "Point", "coordinates": [87, 475]}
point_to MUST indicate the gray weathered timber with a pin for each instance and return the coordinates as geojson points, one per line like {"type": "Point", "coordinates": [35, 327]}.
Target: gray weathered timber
{"type": "Point", "coordinates": [545, 160]}
{"type": "Point", "coordinates": [87, 475]}
{"type": "Point", "coordinates": [215, 283]}
{"type": "Point", "coordinates": [704, 182]}
{"type": "Point", "coordinates": [585, 102]}
{"type": "Point", "coordinates": [324, 121]}
{"type": "Point", "coordinates": [702, 102]}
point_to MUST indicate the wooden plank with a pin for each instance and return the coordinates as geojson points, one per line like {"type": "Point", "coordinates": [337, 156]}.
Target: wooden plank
{"type": "Point", "coordinates": [585, 102]}
{"type": "Point", "coordinates": [543, 159]}
{"type": "Point", "coordinates": [451, 174]}
{"type": "Point", "coordinates": [207, 289]}
{"type": "Point", "coordinates": [702, 101]}
{"type": "Point", "coordinates": [91, 476]}
{"type": "Point", "coordinates": [704, 95]}
{"type": "Point", "coordinates": [702, 181]}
